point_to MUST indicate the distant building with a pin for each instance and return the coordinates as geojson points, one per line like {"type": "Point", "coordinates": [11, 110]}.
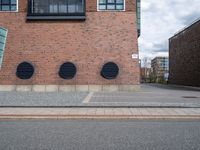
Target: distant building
{"type": "Point", "coordinates": [160, 69]}
{"type": "Point", "coordinates": [145, 74]}
{"type": "Point", "coordinates": [184, 56]}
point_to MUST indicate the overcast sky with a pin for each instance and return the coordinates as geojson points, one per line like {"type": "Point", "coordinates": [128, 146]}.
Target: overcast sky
{"type": "Point", "coordinates": [160, 19]}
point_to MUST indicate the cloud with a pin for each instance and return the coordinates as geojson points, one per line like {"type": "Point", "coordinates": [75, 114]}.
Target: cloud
{"type": "Point", "coordinates": [190, 18]}
{"type": "Point", "coordinates": [160, 20]}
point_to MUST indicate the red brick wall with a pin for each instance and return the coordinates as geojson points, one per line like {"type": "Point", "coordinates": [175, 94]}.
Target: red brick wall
{"type": "Point", "coordinates": [103, 37]}
{"type": "Point", "coordinates": [91, 5]}
{"type": "Point", "coordinates": [184, 54]}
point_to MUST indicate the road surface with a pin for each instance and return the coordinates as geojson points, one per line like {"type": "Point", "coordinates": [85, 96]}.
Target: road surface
{"type": "Point", "coordinates": [99, 135]}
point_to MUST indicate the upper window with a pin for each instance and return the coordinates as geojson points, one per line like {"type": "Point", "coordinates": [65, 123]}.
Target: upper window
{"type": "Point", "coordinates": [56, 9]}
{"type": "Point", "coordinates": [8, 5]}
{"type": "Point", "coordinates": [57, 6]}
{"type": "Point", "coordinates": [111, 5]}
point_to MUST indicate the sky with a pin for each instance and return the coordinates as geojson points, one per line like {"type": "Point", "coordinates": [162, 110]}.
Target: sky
{"type": "Point", "coordinates": [160, 20]}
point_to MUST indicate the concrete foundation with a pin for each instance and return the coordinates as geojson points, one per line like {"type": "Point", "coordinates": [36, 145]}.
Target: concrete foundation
{"type": "Point", "coordinates": [68, 88]}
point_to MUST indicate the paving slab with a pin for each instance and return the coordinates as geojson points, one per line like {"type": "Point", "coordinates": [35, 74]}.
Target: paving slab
{"type": "Point", "coordinates": [99, 113]}
{"type": "Point", "coordinates": [160, 96]}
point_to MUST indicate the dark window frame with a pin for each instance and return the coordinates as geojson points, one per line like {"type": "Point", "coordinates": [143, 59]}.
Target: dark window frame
{"type": "Point", "coordinates": [115, 5]}
{"type": "Point", "coordinates": [25, 70]}
{"type": "Point", "coordinates": [110, 70]}
{"type": "Point", "coordinates": [9, 4]}
{"type": "Point", "coordinates": [33, 15]}
{"type": "Point", "coordinates": [67, 71]}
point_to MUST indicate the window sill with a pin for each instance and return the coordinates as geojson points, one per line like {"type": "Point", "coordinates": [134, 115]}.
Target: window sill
{"type": "Point", "coordinates": [56, 17]}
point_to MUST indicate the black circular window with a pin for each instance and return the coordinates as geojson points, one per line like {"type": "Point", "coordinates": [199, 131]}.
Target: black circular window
{"type": "Point", "coordinates": [67, 70]}
{"type": "Point", "coordinates": [110, 70]}
{"type": "Point", "coordinates": [25, 70]}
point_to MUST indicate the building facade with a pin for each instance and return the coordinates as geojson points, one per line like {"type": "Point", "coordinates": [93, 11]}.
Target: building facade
{"type": "Point", "coordinates": [184, 55]}
{"type": "Point", "coordinates": [75, 43]}
{"type": "Point", "coordinates": [160, 69]}
{"type": "Point", "coordinates": [145, 75]}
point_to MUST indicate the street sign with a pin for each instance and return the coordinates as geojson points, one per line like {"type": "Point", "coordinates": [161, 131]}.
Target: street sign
{"type": "Point", "coordinates": [135, 56]}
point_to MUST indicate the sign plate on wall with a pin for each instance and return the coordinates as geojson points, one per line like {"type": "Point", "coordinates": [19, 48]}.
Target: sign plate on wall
{"type": "Point", "coordinates": [135, 56]}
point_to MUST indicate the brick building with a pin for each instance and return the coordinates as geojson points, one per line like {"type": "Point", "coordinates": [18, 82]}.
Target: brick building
{"type": "Point", "coordinates": [160, 68]}
{"type": "Point", "coordinates": [69, 44]}
{"type": "Point", "coordinates": [184, 55]}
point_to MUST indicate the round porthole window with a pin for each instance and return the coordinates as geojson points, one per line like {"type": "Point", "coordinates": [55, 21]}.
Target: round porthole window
{"type": "Point", "coordinates": [25, 70]}
{"type": "Point", "coordinates": [67, 70]}
{"type": "Point", "coordinates": [110, 70]}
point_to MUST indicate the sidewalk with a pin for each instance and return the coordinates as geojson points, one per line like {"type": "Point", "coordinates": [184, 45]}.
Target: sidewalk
{"type": "Point", "coordinates": [150, 95]}
{"type": "Point", "coordinates": [152, 102]}
{"type": "Point", "coordinates": [100, 113]}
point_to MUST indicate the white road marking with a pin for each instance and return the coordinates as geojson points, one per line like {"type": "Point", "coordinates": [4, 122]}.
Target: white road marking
{"type": "Point", "coordinates": [88, 97]}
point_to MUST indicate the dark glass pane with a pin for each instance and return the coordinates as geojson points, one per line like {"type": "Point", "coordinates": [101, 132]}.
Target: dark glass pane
{"type": "Point", "coordinates": [79, 6]}
{"type": "Point", "coordinates": [102, 1]}
{"type": "Point", "coordinates": [41, 6]}
{"type": "Point", "coordinates": [58, 6]}
{"type": "Point", "coordinates": [8, 5]}
{"type": "Point", "coordinates": [62, 6]}
{"type": "Point", "coordinates": [3, 32]}
{"type": "Point", "coordinates": [119, 1]}
{"type": "Point", "coordinates": [111, 7]}
{"type": "Point", "coordinates": [1, 53]}
{"type": "Point", "coordinates": [53, 6]}
{"type": "Point", "coordinates": [102, 7]}
{"type": "Point", "coordinates": [13, 1]}
{"type": "Point", "coordinates": [1, 56]}
{"type": "Point", "coordinates": [111, 1]}
{"type": "Point", "coordinates": [1, 45]}
{"type": "Point", "coordinates": [71, 6]}
{"type": "Point", "coordinates": [2, 39]}
{"type": "Point", "coordinates": [5, 7]}
{"type": "Point", "coordinates": [119, 7]}
{"type": "Point", "coordinates": [5, 2]}
{"type": "Point", "coordinates": [13, 8]}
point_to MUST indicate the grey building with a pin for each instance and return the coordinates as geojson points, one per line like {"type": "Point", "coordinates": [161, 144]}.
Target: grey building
{"type": "Point", "coordinates": [160, 68]}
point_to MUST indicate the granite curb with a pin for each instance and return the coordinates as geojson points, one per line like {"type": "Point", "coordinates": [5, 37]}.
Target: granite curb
{"type": "Point", "coordinates": [63, 117]}
{"type": "Point", "coordinates": [107, 106]}
{"type": "Point", "coordinates": [100, 113]}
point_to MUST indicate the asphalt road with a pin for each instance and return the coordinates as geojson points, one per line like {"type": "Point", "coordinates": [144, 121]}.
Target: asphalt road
{"type": "Point", "coordinates": [99, 135]}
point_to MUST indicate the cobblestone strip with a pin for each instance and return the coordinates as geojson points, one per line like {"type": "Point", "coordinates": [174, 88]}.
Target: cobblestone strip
{"type": "Point", "coordinates": [118, 111]}
{"type": "Point", "coordinates": [109, 111]}
{"type": "Point", "coordinates": [196, 110]}
{"type": "Point", "coordinates": [126, 111]}
{"type": "Point", "coordinates": [99, 112]}
{"type": "Point", "coordinates": [180, 112]}
{"type": "Point", "coordinates": [91, 111]}
{"type": "Point", "coordinates": [135, 111]}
